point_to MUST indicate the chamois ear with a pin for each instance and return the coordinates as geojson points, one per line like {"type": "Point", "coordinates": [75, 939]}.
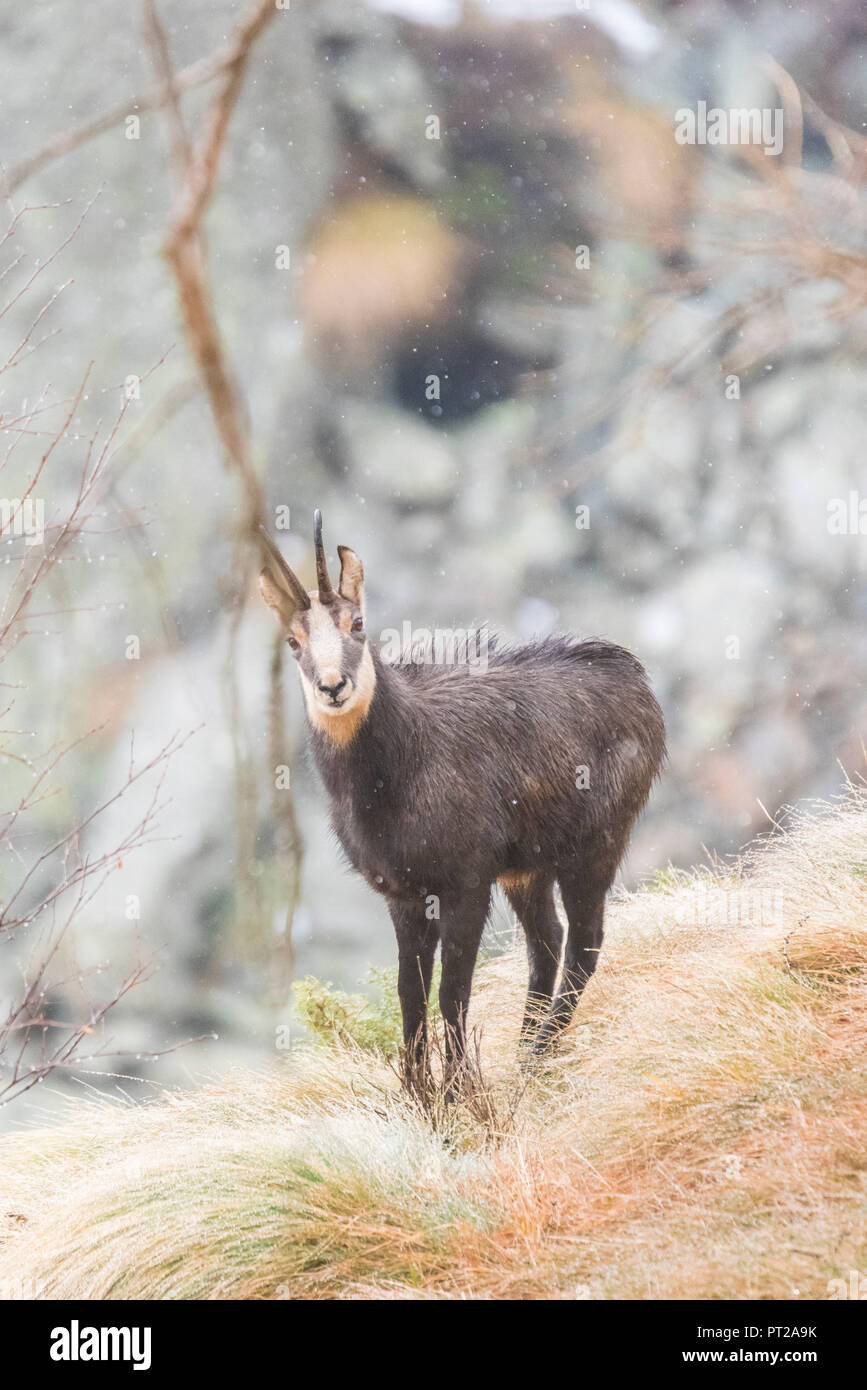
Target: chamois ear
{"type": "Point", "coordinates": [278, 585]}
{"type": "Point", "coordinates": [281, 604]}
{"type": "Point", "coordinates": [351, 584]}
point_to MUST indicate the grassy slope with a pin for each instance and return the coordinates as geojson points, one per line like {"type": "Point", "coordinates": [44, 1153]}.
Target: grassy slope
{"type": "Point", "coordinates": [701, 1133]}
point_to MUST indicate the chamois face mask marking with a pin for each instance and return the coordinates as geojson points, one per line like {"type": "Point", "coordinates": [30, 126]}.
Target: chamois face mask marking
{"type": "Point", "coordinates": [336, 669]}
{"type": "Point", "coordinates": [324, 629]}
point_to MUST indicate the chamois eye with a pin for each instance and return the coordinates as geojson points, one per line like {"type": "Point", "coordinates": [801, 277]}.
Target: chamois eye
{"type": "Point", "coordinates": [357, 624]}
{"type": "Point", "coordinates": [295, 646]}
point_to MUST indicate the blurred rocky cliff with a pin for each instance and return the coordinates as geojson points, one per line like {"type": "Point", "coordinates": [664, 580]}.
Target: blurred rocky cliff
{"type": "Point", "coordinates": [538, 362]}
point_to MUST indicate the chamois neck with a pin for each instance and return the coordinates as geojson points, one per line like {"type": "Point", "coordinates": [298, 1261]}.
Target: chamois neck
{"type": "Point", "coordinates": [385, 720]}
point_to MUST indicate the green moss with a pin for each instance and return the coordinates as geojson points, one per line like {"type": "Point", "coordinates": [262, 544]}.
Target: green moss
{"type": "Point", "coordinates": [369, 1021]}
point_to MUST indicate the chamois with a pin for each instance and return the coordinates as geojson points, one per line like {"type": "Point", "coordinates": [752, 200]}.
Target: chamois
{"type": "Point", "coordinates": [445, 780]}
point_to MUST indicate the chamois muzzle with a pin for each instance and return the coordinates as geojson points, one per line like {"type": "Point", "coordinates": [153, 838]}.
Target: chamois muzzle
{"type": "Point", "coordinates": [334, 691]}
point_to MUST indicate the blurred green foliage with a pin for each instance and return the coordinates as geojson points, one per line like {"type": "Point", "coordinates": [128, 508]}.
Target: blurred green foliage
{"type": "Point", "coordinates": [335, 1016]}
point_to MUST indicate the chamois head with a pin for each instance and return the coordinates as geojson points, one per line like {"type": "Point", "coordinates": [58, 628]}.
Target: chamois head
{"type": "Point", "coordinates": [325, 633]}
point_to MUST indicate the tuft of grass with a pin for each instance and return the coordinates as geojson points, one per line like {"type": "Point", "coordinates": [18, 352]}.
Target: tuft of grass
{"type": "Point", "coordinates": [371, 1022]}
{"type": "Point", "coordinates": [699, 1134]}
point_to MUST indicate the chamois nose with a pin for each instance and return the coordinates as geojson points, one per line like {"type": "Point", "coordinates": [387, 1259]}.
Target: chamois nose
{"type": "Point", "coordinates": [332, 690]}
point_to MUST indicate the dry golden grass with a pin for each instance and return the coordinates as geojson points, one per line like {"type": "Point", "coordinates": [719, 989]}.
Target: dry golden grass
{"type": "Point", "coordinates": [701, 1132]}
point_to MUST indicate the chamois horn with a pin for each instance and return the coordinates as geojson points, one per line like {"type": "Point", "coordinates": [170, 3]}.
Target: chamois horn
{"type": "Point", "coordinates": [296, 589]}
{"type": "Point", "coordinates": [326, 593]}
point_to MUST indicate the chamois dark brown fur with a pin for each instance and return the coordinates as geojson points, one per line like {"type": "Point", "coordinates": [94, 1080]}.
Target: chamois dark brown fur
{"type": "Point", "coordinates": [446, 779]}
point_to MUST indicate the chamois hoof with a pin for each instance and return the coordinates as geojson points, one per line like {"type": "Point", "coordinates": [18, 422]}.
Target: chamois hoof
{"type": "Point", "coordinates": [546, 1044]}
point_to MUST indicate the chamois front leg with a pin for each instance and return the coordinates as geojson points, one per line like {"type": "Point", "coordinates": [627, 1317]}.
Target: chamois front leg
{"type": "Point", "coordinates": [462, 922]}
{"type": "Point", "coordinates": [416, 944]}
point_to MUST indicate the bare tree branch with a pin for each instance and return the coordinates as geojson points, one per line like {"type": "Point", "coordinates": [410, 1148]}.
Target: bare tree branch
{"type": "Point", "coordinates": [198, 74]}
{"type": "Point", "coordinates": [196, 166]}
{"type": "Point", "coordinates": [56, 879]}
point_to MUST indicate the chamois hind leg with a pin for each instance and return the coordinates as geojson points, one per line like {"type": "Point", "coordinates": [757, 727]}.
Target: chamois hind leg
{"type": "Point", "coordinates": [462, 921]}
{"type": "Point", "coordinates": [584, 901]}
{"type": "Point", "coordinates": [416, 946]}
{"type": "Point", "coordinates": [532, 898]}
